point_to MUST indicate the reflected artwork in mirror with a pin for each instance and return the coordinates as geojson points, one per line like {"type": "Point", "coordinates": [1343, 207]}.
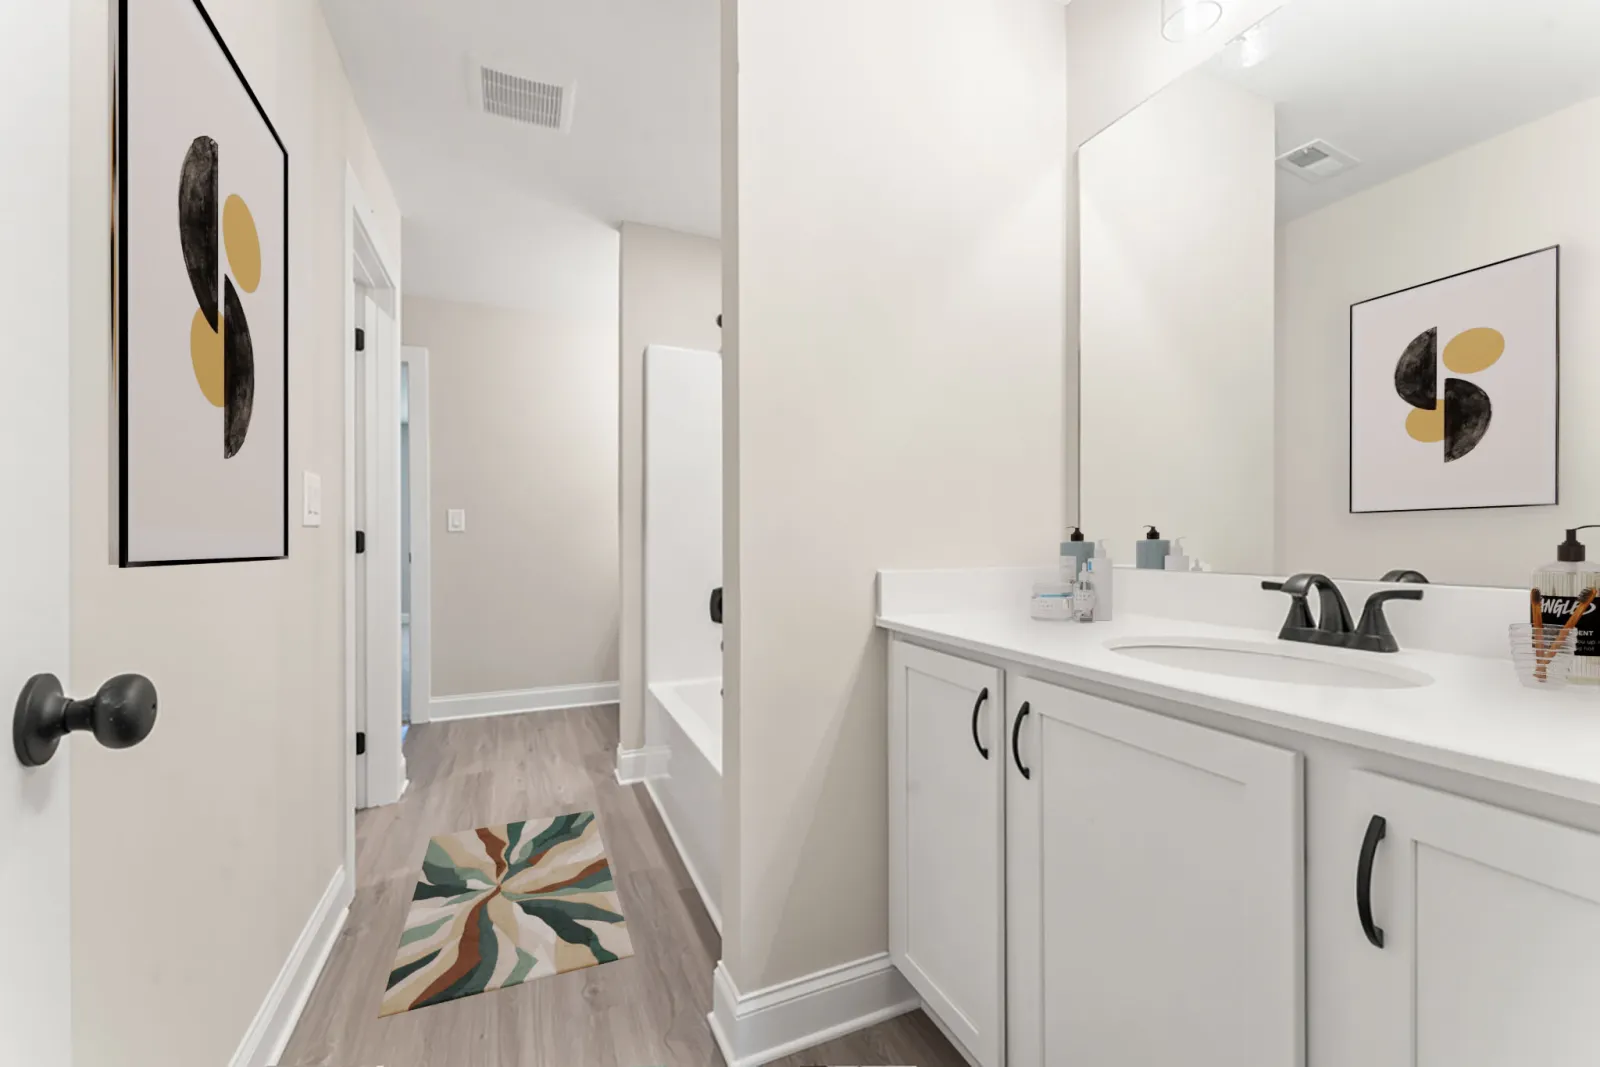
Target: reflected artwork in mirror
{"type": "Point", "coordinates": [1485, 360]}
{"type": "Point", "coordinates": [1331, 303]}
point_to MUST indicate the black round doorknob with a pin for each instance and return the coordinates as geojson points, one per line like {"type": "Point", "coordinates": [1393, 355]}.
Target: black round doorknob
{"type": "Point", "coordinates": [120, 715]}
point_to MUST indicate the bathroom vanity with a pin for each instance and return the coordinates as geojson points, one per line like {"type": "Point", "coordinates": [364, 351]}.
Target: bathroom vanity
{"type": "Point", "coordinates": [1100, 857]}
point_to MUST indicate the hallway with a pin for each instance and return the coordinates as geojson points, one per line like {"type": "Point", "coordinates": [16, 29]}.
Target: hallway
{"type": "Point", "coordinates": [647, 1010]}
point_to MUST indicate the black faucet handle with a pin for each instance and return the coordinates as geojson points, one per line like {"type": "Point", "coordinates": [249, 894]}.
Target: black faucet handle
{"type": "Point", "coordinates": [1375, 625]}
{"type": "Point", "coordinates": [1416, 577]}
{"type": "Point", "coordinates": [1299, 610]}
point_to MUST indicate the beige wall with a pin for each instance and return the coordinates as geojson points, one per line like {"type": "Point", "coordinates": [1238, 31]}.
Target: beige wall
{"type": "Point", "coordinates": [523, 436]}
{"type": "Point", "coordinates": [671, 295]}
{"type": "Point", "coordinates": [199, 856]}
{"type": "Point", "coordinates": [893, 384]}
{"type": "Point", "coordinates": [1526, 189]}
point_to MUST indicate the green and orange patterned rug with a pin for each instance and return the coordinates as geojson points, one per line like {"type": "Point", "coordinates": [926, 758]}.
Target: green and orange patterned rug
{"type": "Point", "coordinates": [503, 905]}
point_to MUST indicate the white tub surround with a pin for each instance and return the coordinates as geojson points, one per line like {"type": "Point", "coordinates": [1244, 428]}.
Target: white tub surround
{"type": "Point", "coordinates": [681, 762]}
{"type": "Point", "coordinates": [1211, 832]}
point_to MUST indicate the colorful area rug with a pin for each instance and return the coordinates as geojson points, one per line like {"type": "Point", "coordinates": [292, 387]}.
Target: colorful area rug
{"type": "Point", "coordinates": [504, 905]}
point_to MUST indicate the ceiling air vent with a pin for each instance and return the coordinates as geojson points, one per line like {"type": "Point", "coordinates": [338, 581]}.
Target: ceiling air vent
{"type": "Point", "coordinates": [520, 99]}
{"type": "Point", "coordinates": [1316, 161]}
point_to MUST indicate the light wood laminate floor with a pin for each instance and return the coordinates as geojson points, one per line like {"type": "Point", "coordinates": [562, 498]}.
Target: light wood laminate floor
{"type": "Point", "coordinates": [640, 1012]}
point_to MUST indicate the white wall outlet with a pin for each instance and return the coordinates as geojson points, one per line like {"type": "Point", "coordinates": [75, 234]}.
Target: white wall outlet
{"type": "Point", "coordinates": [456, 520]}
{"type": "Point", "coordinates": [312, 496]}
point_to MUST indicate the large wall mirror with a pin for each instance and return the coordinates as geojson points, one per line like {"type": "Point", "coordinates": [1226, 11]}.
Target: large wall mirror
{"type": "Point", "coordinates": [1340, 295]}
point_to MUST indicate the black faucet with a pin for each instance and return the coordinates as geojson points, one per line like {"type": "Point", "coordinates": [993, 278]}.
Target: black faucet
{"type": "Point", "coordinates": [1333, 626]}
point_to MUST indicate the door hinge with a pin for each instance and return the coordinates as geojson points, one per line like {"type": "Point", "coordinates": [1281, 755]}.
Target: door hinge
{"type": "Point", "coordinates": [361, 541]}
{"type": "Point", "coordinates": [361, 742]}
{"type": "Point", "coordinates": [361, 339]}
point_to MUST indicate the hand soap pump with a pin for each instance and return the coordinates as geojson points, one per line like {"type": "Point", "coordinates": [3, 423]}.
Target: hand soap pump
{"type": "Point", "coordinates": [1102, 574]}
{"type": "Point", "coordinates": [1560, 586]}
{"type": "Point", "coordinates": [1176, 560]}
{"type": "Point", "coordinates": [1075, 555]}
{"type": "Point", "coordinates": [1151, 553]}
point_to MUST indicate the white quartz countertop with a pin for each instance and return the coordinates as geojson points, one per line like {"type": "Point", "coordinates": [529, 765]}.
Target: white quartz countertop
{"type": "Point", "coordinates": [1475, 717]}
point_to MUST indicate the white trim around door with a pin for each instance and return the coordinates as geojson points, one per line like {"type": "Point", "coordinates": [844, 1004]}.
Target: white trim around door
{"type": "Point", "coordinates": [370, 270]}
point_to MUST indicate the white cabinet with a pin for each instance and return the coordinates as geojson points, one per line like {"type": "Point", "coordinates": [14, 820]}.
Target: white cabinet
{"type": "Point", "coordinates": [1076, 881]}
{"type": "Point", "coordinates": [946, 841]}
{"type": "Point", "coordinates": [1490, 931]}
{"type": "Point", "coordinates": [1161, 896]}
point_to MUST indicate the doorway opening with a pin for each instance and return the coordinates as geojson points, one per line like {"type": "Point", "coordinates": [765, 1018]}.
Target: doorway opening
{"type": "Point", "coordinates": [416, 584]}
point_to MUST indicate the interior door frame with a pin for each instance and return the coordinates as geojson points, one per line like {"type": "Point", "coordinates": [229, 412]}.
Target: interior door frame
{"type": "Point", "coordinates": [416, 361]}
{"type": "Point", "coordinates": [369, 265]}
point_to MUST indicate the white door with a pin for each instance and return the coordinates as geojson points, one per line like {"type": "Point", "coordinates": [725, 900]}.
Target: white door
{"type": "Point", "coordinates": [1167, 920]}
{"type": "Point", "coordinates": [946, 841]}
{"type": "Point", "coordinates": [35, 892]}
{"type": "Point", "coordinates": [1478, 928]}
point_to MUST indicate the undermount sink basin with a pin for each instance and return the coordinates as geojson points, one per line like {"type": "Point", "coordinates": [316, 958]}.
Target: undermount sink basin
{"type": "Point", "coordinates": [1272, 661]}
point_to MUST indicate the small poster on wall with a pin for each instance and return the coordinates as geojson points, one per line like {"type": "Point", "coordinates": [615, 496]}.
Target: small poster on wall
{"type": "Point", "coordinates": [1454, 390]}
{"type": "Point", "coordinates": [202, 294]}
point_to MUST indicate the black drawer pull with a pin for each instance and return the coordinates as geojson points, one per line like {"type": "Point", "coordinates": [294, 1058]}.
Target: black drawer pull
{"type": "Point", "coordinates": [977, 707]}
{"type": "Point", "coordinates": [1376, 831]}
{"type": "Point", "coordinates": [1016, 731]}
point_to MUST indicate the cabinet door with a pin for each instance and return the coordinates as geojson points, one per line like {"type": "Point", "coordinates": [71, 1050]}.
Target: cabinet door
{"type": "Point", "coordinates": [1490, 929]}
{"type": "Point", "coordinates": [946, 833]}
{"type": "Point", "coordinates": [1169, 909]}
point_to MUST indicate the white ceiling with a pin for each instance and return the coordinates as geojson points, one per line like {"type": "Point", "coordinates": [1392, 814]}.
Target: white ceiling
{"type": "Point", "coordinates": [501, 212]}
{"type": "Point", "coordinates": [1399, 83]}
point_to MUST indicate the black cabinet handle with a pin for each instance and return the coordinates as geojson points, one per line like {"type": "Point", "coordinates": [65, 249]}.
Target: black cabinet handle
{"type": "Point", "coordinates": [976, 707]}
{"type": "Point", "coordinates": [1016, 732]}
{"type": "Point", "coordinates": [1376, 830]}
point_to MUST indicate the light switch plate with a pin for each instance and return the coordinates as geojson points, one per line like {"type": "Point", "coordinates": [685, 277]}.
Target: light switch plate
{"type": "Point", "coordinates": [312, 496]}
{"type": "Point", "coordinates": [456, 520]}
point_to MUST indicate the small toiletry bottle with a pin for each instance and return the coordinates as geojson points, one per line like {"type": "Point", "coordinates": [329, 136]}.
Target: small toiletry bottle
{"type": "Point", "coordinates": [1075, 552]}
{"type": "Point", "coordinates": [1560, 584]}
{"type": "Point", "coordinates": [1151, 553]}
{"type": "Point", "coordinates": [1083, 597]}
{"type": "Point", "coordinates": [1176, 560]}
{"type": "Point", "coordinates": [1101, 574]}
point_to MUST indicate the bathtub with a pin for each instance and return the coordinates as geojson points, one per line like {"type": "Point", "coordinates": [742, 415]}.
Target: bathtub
{"type": "Point", "coordinates": [683, 731]}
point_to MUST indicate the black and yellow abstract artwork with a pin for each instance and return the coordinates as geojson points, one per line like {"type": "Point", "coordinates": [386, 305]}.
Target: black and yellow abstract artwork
{"type": "Point", "coordinates": [1454, 390]}
{"type": "Point", "coordinates": [219, 338]}
{"type": "Point", "coordinates": [202, 270]}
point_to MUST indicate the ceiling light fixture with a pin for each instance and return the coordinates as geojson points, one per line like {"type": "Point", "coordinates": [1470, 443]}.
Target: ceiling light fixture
{"type": "Point", "coordinates": [1253, 46]}
{"type": "Point", "coordinates": [1184, 20]}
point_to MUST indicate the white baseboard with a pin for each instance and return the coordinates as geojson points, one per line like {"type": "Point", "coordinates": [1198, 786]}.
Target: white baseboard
{"type": "Point", "coordinates": [756, 1028]}
{"type": "Point", "coordinates": [687, 857]}
{"type": "Point", "coordinates": [635, 765]}
{"type": "Point", "coordinates": [550, 698]}
{"type": "Point", "coordinates": [274, 1023]}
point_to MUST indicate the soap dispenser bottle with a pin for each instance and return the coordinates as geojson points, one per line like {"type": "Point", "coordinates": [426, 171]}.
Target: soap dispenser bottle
{"type": "Point", "coordinates": [1151, 553]}
{"type": "Point", "coordinates": [1075, 555]}
{"type": "Point", "coordinates": [1561, 584]}
{"type": "Point", "coordinates": [1101, 575]}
